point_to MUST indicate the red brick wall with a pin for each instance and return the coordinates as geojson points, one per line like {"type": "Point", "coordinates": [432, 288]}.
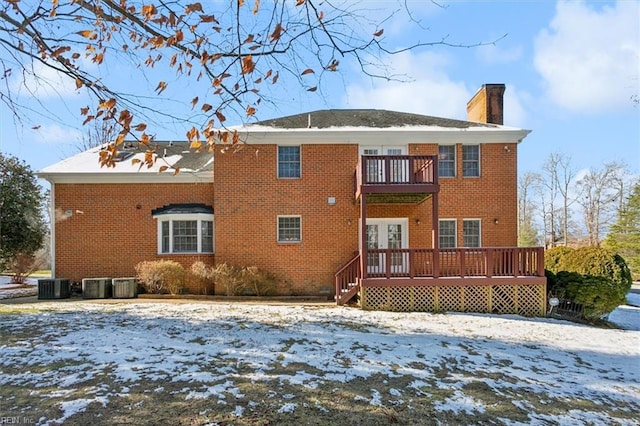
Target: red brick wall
{"type": "Point", "coordinates": [491, 196]}
{"type": "Point", "coordinates": [249, 197]}
{"type": "Point", "coordinates": [112, 234]}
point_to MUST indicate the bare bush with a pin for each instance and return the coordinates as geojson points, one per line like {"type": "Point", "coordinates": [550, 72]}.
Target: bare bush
{"type": "Point", "coordinates": [161, 276]}
{"type": "Point", "coordinates": [259, 282]}
{"type": "Point", "coordinates": [204, 277]}
{"type": "Point", "coordinates": [23, 265]}
{"type": "Point", "coordinates": [229, 277]}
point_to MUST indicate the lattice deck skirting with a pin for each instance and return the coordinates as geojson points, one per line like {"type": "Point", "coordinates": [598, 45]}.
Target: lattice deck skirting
{"type": "Point", "coordinates": [528, 300]}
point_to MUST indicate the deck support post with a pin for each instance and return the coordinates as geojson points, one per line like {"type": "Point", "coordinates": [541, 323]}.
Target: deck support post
{"type": "Point", "coordinates": [435, 236]}
{"type": "Point", "coordinates": [363, 236]}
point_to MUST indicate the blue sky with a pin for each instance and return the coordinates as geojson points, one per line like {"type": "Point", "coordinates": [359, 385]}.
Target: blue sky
{"type": "Point", "coordinates": [570, 69]}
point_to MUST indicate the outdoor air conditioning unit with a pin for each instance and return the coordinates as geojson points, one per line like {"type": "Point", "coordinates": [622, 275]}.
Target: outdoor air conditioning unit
{"type": "Point", "coordinates": [124, 288]}
{"type": "Point", "coordinates": [96, 288]}
{"type": "Point", "coordinates": [54, 288]}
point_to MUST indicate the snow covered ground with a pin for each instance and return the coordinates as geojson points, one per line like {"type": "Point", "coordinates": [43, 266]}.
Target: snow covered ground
{"type": "Point", "coordinates": [10, 291]}
{"type": "Point", "coordinates": [87, 361]}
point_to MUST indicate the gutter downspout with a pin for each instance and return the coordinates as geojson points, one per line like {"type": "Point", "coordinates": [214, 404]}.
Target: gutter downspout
{"type": "Point", "coordinates": [52, 224]}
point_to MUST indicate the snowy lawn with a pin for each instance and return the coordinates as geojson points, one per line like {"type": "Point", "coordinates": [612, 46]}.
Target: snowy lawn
{"type": "Point", "coordinates": [144, 362]}
{"type": "Point", "coordinates": [10, 291]}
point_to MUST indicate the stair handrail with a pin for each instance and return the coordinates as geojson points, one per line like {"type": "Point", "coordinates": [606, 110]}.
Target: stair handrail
{"type": "Point", "coordinates": [348, 274]}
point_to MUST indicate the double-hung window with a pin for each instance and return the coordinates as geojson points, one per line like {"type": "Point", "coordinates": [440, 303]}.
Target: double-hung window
{"type": "Point", "coordinates": [288, 161]}
{"type": "Point", "coordinates": [471, 232]}
{"type": "Point", "coordinates": [289, 229]}
{"type": "Point", "coordinates": [447, 160]}
{"type": "Point", "coordinates": [471, 160]}
{"type": "Point", "coordinates": [447, 233]}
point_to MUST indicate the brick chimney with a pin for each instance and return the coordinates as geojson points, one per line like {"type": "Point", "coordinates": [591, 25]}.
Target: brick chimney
{"type": "Point", "coordinates": [486, 106]}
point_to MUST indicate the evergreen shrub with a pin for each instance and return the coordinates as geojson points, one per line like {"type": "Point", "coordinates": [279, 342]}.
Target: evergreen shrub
{"type": "Point", "coordinates": [595, 277]}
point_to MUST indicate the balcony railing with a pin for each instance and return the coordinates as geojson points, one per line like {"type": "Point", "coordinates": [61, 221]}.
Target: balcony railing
{"type": "Point", "coordinates": [397, 172]}
{"type": "Point", "coordinates": [458, 262]}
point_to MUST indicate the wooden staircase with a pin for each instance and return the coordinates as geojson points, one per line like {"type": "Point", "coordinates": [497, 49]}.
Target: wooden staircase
{"type": "Point", "coordinates": [347, 281]}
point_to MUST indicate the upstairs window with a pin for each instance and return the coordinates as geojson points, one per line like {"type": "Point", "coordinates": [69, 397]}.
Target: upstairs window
{"type": "Point", "coordinates": [471, 232]}
{"type": "Point", "coordinates": [471, 160]}
{"type": "Point", "coordinates": [447, 233]}
{"type": "Point", "coordinates": [288, 161]}
{"type": "Point", "coordinates": [289, 229]}
{"type": "Point", "coordinates": [447, 161]}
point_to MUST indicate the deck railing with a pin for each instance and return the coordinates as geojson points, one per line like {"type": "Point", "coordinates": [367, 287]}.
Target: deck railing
{"type": "Point", "coordinates": [457, 262]}
{"type": "Point", "coordinates": [396, 169]}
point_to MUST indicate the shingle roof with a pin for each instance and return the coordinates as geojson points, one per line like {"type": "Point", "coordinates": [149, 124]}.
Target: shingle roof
{"type": "Point", "coordinates": [372, 118]}
{"type": "Point", "coordinates": [188, 208]}
{"type": "Point", "coordinates": [185, 158]}
{"type": "Point", "coordinates": [174, 154]}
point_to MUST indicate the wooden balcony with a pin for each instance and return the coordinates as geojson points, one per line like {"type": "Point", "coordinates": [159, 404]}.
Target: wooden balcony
{"type": "Point", "coordinates": [460, 267]}
{"type": "Point", "coordinates": [407, 179]}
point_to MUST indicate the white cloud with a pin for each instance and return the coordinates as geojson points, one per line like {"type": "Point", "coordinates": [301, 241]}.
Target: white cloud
{"type": "Point", "coordinates": [589, 59]}
{"type": "Point", "coordinates": [44, 82]}
{"type": "Point", "coordinates": [514, 113]}
{"type": "Point", "coordinates": [55, 134]}
{"type": "Point", "coordinates": [430, 91]}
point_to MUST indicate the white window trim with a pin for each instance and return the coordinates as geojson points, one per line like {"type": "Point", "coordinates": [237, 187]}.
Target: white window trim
{"type": "Point", "coordinates": [479, 161]}
{"type": "Point", "coordinates": [278, 161]}
{"type": "Point", "coordinates": [278, 228]}
{"type": "Point", "coordinates": [382, 149]}
{"type": "Point", "coordinates": [455, 162]}
{"type": "Point", "coordinates": [455, 230]}
{"type": "Point", "coordinates": [479, 229]}
{"type": "Point", "coordinates": [199, 217]}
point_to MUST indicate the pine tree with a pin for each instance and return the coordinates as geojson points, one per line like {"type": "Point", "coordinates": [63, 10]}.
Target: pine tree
{"type": "Point", "coordinates": [624, 235]}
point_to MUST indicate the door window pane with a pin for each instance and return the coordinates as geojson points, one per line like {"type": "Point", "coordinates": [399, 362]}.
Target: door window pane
{"type": "Point", "coordinates": [373, 166]}
{"type": "Point", "coordinates": [394, 238]}
{"type": "Point", "coordinates": [373, 259]}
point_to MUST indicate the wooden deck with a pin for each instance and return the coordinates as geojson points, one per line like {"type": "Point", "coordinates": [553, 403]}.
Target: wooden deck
{"type": "Point", "coordinates": [487, 279]}
{"type": "Point", "coordinates": [483, 279]}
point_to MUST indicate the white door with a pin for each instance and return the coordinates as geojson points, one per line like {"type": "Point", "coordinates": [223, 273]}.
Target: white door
{"type": "Point", "coordinates": [375, 170]}
{"type": "Point", "coordinates": [383, 234]}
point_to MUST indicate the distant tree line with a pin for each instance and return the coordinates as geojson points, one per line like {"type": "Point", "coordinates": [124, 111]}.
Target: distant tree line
{"type": "Point", "coordinates": [561, 206]}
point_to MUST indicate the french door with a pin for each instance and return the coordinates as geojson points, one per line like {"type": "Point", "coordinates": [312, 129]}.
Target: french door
{"type": "Point", "coordinates": [384, 235]}
{"type": "Point", "coordinates": [376, 170]}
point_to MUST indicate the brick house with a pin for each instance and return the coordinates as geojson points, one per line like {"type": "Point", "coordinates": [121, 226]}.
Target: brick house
{"type": "Point", "coordinates": [408, 212]}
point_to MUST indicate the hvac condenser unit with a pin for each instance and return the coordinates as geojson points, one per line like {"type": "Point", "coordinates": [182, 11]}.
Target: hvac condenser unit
{"type": "Point", "coordinates": [54, 288]}
{"type": "Point", "coordinates": [124, 288]}
{"type": "Point", "coordinates": [96, 288]}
